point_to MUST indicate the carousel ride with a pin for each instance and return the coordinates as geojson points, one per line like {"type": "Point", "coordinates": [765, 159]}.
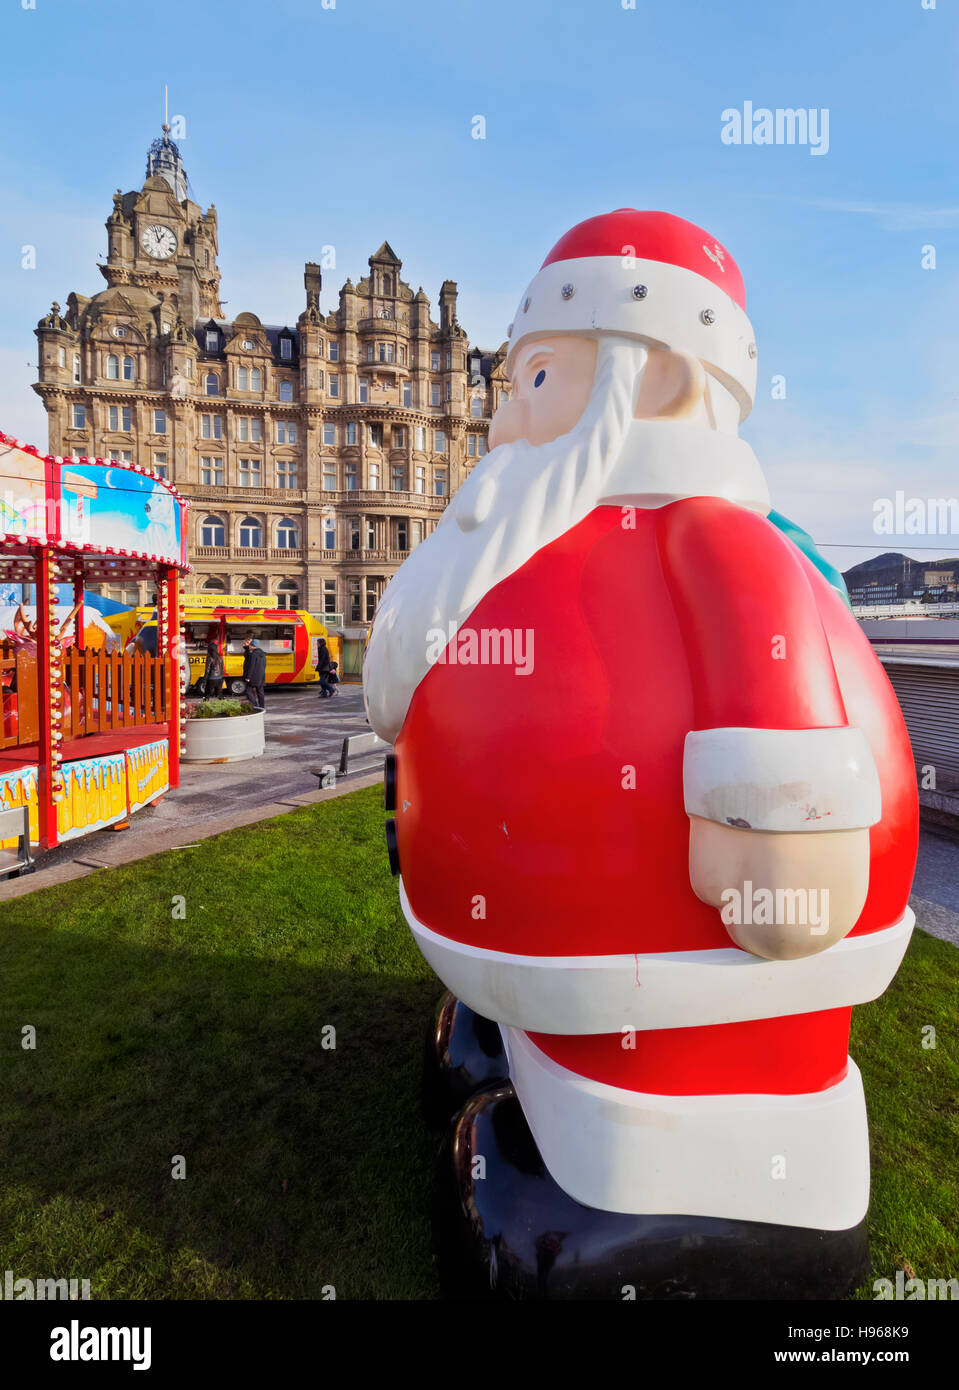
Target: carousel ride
{"type": "Point", "coordinates": [89, 733]}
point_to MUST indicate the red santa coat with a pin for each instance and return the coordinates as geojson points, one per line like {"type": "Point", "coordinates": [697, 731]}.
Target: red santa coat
{"type": "Point", "coordinates": [542, 832]}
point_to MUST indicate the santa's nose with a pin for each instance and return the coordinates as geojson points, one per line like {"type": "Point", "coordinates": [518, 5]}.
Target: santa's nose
{"type": "Point", "coordinates": [510, 422]}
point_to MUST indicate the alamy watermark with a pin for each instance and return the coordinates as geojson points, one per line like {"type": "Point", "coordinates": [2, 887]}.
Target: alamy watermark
{"type": "Point", "coordinates": [783, 125]}
{"type": "Point", "coordinates": [910, 1289]}
{"type": "Point", "coordinates": [915, 516]}
{"type": "Point", "coordinates": [28, 1290]}
{"type": "Point", "coordinates": [485, 646]}
{"type": "Point", "coordinates": [28, 516]}
{"type": "Point", "coordinates": [802, 907]}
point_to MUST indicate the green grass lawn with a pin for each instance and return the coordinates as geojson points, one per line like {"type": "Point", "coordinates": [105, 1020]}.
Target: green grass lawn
{"type": "Point", "coordinates": [308, 1166]}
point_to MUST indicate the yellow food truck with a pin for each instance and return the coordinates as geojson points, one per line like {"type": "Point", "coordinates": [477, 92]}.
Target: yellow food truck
{"type": "Point", "coordinates": [288, 636]}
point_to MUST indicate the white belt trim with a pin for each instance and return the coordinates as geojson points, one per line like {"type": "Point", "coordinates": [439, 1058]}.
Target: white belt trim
{"type": "Point", "coordinates": [668, 989]}
{"type": "Point", "coordinates": [631, 1151]}
{"type": "Point", "coordinates": [782, 779]}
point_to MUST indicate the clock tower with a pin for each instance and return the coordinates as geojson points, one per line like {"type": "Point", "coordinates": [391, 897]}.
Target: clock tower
{"type": "Point", "coordinates": [160, 241]}
{"type": "Point", "coordinates": [316, 452]}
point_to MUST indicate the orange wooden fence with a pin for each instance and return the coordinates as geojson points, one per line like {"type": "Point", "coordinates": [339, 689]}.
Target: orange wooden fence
{"type": "Point", "coordinates": [18, 691]}
{"type": "Point", "coordinates": [101, 692]}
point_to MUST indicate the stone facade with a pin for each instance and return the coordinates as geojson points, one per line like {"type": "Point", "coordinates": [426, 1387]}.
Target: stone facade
{"type": "Point", "coordinates": [315, 455]}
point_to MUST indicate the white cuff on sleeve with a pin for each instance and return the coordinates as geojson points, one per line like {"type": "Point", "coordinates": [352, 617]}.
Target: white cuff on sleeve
{"type": "Point", "coordinates": [782, 779]}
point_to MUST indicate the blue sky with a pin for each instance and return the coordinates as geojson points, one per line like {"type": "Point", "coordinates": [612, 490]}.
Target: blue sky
{"type": "Point", "coordinates": [310, 127]}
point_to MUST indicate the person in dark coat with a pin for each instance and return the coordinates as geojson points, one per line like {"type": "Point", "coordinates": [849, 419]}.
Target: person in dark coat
{"type": "Point", "coordinates": [213, 670]}
{"type": "Point", "coordinates": [322, 668]}
{"type": "Point", "coordinates": [254, 672]}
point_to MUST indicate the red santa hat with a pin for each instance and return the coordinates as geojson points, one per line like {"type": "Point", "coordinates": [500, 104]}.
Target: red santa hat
{"type": "Point", "coordinates": [647, 275]}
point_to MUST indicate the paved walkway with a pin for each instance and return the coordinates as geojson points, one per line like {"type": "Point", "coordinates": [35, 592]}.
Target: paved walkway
{"type": "Point", "coordinates": [935, 898]}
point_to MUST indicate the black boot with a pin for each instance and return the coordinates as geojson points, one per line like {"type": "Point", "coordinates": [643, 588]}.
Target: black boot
{"type": "Point", "coordinates": [514, 1233]}
{"type": "Point", "coordinates": [464, 1053]}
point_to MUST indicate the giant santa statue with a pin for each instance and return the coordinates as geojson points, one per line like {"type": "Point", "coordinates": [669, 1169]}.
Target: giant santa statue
{"type": "Point", "coordinates": [656, 814]}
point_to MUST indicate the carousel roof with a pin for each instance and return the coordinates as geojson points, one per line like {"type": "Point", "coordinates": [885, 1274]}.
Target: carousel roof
{"type": "Point", "coordinates": [119, 519]}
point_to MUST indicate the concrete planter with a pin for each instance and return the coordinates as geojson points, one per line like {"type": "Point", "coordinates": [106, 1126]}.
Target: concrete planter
{"type": "Point", "coordinates": [224, 740]}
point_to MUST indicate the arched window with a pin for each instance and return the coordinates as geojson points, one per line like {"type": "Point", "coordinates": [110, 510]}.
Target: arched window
{"type": "Point", "coordinates": [242, 379]}
{"type": "Point", "coordinates": [251, 533]}
{"type": "Point", "coordinates": [286, 390]}
{"type": "Point", "coordinates": [476, 408]}
{"type": "Point", "coordinates": [287, 537]}
{"type": "Point", "coordinates": [287, 594]}
{"type": "Point", "coordinates": [251, 586]}
{"type": "Point", "coordinates": [256, 379]}
{"type": "Point", "coordinates": [214, 586]}
{"type": "Point", "coordinates": [212, 384]}
{"type": "Point", "coordinates": [113, 367]}
{"type": "Point", "coordinates": [212, 531]}
{"type": "Point", "coordinates": [129, 369]}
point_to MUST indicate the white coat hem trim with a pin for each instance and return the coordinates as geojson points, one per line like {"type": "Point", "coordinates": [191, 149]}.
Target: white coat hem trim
{"type": "Point", "coordinates": [669, 989]}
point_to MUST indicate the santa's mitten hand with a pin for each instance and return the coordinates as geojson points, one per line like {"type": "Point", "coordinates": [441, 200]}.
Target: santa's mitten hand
{"type": "Point", "coordinates": [781, 895]}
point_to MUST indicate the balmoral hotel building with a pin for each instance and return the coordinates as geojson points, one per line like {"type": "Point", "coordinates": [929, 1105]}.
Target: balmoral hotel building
{"type": "Point", "coordinates": [317, 454]}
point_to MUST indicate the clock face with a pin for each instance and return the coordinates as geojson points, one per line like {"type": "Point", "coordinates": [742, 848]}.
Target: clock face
{"type": "Point", "coordinates": [158, 241]}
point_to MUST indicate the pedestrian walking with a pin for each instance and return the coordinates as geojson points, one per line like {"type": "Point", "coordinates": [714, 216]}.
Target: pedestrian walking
{"type": "Point", "coordinates": [213, 670]}
{"type": "Point", "coordinates": [322, 668]}
{"type": "Point", "coordinates": [254, 672]}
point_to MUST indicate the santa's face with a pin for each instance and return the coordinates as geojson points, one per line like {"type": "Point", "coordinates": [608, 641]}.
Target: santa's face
{"type": "Point", "coordinates": [552, 382]}
{"type": "Point", "coordinates": [553, 377]}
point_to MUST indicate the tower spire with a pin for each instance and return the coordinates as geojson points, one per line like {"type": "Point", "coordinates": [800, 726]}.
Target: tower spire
{"type": "Point", "coordinates": [163, 157]}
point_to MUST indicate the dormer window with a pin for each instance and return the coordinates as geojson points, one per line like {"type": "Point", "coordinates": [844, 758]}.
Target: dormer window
{"type": "Point", "coordinates": [212, 340]}
{"type": "Point", "coordinates": [286, 348]}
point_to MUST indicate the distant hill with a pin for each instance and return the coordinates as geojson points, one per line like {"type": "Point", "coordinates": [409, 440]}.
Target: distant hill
{"type": "Point", "coordinates": [892, 576]}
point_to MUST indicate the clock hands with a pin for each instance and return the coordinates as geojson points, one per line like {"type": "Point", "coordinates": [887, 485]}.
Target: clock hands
{"type": "Point", "coordinates": [158, 241]}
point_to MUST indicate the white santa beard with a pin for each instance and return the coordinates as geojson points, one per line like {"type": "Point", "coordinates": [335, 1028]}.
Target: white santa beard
{"type": "Point", "coordinates": [522, 498]}
{"type": "Point", "coordinates": [518, 500]}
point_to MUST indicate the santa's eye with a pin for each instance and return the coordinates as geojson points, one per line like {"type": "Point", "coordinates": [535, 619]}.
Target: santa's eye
{"type": "Point", "coordinates": [539, 378]}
